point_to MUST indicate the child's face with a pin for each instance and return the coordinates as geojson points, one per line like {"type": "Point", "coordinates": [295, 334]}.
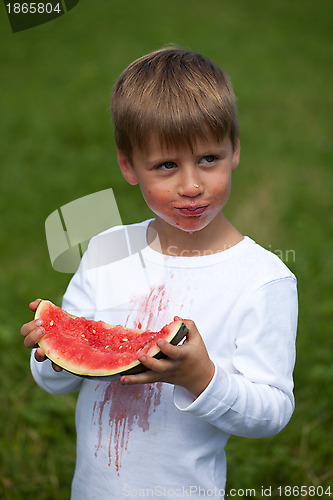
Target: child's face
{"type": "Point", "coordinates": [185, 189]}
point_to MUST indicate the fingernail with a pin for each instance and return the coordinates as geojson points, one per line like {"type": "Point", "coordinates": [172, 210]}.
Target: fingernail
{"type": "Point", "coordinates": [40, 331]}
{"type": "Point", "coordinates": [142, 358]}
{"type": "Point", "coordinates": [39, 322]}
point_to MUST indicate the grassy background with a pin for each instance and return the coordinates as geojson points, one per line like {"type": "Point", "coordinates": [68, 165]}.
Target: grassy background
{"type": "Point", "coordinates": [56, 146]}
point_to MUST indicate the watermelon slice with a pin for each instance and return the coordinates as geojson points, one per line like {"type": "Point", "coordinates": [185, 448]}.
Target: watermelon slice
{"type": "Point", "coordinates": [96, 349]}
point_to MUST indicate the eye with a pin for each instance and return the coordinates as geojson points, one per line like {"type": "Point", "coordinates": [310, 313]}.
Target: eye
{"type": "Point", "coordinates": [168, 165]}
{"type": "Point", "coordinates": [208, 159]}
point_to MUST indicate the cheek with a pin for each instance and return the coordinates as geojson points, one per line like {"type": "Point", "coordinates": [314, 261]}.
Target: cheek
{"type": "Point", "coordinates": [221, 188]}
{"type": "Point", "coordinates": [156, 198]}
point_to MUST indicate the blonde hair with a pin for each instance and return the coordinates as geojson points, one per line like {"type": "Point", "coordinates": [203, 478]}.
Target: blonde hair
{"type": "Point", "coordinates": [177, 95]}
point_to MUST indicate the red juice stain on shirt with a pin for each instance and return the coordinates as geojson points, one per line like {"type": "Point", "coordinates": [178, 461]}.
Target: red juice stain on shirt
{"type": "Point", "coordinates": [155, 304]}
{"type": "Point", "coordinates": [148, 309]}
{"type": "Point", "coordinates": [123, 407]}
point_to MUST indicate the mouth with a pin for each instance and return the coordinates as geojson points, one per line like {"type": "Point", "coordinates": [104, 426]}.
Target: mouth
{"type": "Point", "coordinates": [192, 211]}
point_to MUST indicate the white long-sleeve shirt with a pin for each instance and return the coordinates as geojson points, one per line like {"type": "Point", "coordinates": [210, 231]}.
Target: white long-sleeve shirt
{"type": "Point", "coordinates": [157, 440]}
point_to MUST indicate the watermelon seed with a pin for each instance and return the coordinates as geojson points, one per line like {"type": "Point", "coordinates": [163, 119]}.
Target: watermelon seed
{"type": "Point", "coordinates": [124, 339]}
{"type": "Point", "coordinates": [106, 347]}
{"type": "Point", "coordinates": [82, 335]}
{"type": "Point", "coordinates": [51, 322]}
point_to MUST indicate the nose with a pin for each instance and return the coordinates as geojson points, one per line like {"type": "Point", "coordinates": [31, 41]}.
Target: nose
{"type": "Point", "coordinates": [190, 185]}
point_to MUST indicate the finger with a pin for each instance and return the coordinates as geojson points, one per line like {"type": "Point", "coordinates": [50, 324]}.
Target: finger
{"type": "Point", "coordinates": [189, 323]}
{"type": "Point", "coordinates": [171, 351]}
{"type": "Point", "coordinates": [56, 368]}
{"type": "Point", "coordinates": [27, 328]}
{"type": "Point", "coordinates": [40, 354]}
{"type": "Point", "coordinates": [148, 377]}
{"type": "Point", "coordinates": [193, 332]}
{"type": "Point", "coordinates": [32, 333]}
{"type": "Point", "coordinates": [156, 365]}
{"type": "Point", "coordinates": [34, 304]}
{"type": "Point", "coordinates": [31, 340]}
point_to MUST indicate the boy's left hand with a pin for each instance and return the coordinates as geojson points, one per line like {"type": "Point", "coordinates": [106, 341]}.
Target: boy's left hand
{"type": "Point", "coordinates": [187, 365]}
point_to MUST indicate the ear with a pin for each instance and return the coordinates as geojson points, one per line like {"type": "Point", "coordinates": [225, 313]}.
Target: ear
{"type": "Point", "coordinates": [126, 169]}
{"type": "Point", "coordinates": [236, 155]}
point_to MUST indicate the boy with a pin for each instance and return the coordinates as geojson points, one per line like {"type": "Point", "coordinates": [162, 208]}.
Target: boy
{"type": "Point", "coordinates": [163, 432]}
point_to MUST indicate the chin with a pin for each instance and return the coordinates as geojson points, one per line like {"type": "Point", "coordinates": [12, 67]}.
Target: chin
{"type": "Point", "coordinates": [185, 225]}
{"type": "Point", "coordinates": [190, 229]}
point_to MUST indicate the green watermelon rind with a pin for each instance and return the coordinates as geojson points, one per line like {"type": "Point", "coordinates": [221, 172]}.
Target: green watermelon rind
{"type": "Point", "coordinates": [174, 337]}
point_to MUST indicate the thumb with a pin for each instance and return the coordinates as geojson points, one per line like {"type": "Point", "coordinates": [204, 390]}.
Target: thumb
{"type": "Point", "coordinates": [33, 305]}
{"type": "Point", "coordinates": [190, 325]}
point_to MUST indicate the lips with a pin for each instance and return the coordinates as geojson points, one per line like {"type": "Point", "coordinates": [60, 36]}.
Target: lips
{"type": "Point", "coordinates": [191, 211]}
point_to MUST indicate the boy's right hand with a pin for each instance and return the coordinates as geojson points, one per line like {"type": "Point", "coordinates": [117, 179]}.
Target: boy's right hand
{"type": "Point", "coordinates": [33, 332]}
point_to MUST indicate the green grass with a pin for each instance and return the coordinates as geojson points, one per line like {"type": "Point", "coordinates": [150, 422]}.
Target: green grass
{"type": "Point", "coordinates": [56, 146]}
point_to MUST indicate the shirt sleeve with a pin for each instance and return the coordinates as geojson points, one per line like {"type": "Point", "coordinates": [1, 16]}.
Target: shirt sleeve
{"type": "Point", "coordinates": [256, 398]}
{"type": "Point", "coordinates": [78, 301]}
{"type": "Point", "coordinates": [49, 380]}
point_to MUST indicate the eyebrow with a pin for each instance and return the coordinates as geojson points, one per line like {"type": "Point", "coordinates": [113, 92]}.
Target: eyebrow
{"type": "Point", "coordinates": [212, 152]}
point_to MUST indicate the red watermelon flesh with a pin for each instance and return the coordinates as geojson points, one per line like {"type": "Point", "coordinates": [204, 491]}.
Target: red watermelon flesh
{"type": "Point", "coordinates": [94, 348]}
